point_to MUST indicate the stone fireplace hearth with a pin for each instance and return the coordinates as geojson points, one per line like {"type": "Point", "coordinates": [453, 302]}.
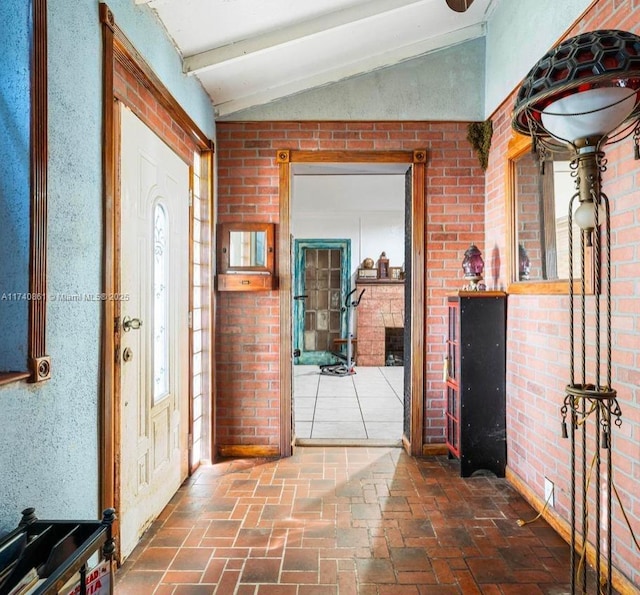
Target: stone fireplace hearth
{"type": "Point", "coordinates": [381, 308]}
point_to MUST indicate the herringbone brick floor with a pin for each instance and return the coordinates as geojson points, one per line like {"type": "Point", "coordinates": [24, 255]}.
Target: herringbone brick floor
{"type": "Point", "coordinates": [345, 521]}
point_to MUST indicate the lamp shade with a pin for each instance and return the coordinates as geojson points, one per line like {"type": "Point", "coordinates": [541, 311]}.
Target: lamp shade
{"type": "Point", "coordinates": [585, 87]}
{"type": "Point", "coordinates": [585, 215]}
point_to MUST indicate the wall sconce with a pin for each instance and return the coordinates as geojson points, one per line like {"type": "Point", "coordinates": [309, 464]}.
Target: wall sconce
{"type": "Point", "coordinates": [584, 94]}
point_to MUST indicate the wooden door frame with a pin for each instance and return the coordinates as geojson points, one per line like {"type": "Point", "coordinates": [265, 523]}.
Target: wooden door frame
{"type": "Point", "coordinates": [417, 161]}
{"type": "Point", "coordinates": [331, 244]}
{"type": "Point", "coordinates": [118, 50]}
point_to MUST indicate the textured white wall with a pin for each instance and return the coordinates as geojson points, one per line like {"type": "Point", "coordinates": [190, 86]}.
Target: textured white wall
{"type": "Point", "coordinates": [465, 82]}
{"type": "Point", "coordinates": [444, 85]}
{"type": "Point", "coordinates": [519, 33]}
{"type": "Point", "coordinates": [14, 186]}
{"type": "Point", "coordinates": [49, 432]}
{"type": "Point", "coordinates": [367, 209]}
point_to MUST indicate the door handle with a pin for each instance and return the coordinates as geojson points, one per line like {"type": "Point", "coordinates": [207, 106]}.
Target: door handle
{"type": "Point", "coordinates": [129, 323]}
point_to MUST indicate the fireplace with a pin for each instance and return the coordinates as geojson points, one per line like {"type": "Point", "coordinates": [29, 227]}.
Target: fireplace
{"type": "Point", "coordinates": [394, 346]}
{"type": "Point", "coordinates": [381, 309]}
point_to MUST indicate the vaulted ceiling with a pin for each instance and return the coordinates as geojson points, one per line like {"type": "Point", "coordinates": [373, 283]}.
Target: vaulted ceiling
{"type": "Point", "coordinates": [250, 52]}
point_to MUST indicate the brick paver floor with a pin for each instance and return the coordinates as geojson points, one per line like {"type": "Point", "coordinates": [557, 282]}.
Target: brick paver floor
{"type": "Point", "coordinates": [345, 521]}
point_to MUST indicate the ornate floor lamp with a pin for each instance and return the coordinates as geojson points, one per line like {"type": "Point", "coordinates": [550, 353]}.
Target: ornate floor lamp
{"type": "Point", "coordinates": [585, 94]}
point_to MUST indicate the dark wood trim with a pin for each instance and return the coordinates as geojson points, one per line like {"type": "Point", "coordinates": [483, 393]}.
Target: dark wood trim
{"type": "Point", "coordinates": [248, 450]}
{"type": "Point", "coordinates": [434, 450]}
{"type": "Point", "coordinates": [518, 146]}
{"type": "Point", "coordinates": [286, 302]}
{"type": "Point", "coordinates": [118, 50]}
{"type": "Point", "coordinates": [107, 413]}
{"type": "Point", "coordinates": [9, 377]}
{"type": "Point", "coordinates": [38, 361]}
{"type": "Point", "coordinates": [417, 161]}
{"type": "Point", "coordinates": [296, 156]}
{"type": "Point", "coordinates": [208, 297]}
{"type": "Point", "coordinates": [418, 290]}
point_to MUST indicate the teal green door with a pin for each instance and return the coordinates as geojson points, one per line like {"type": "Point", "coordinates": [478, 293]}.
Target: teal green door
{"type": "Point", "coordinates": [322, 274]}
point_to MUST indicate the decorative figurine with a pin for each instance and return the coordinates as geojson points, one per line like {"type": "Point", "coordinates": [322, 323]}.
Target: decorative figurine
{"type": "Point", "coordinates": [383, 266]}
{"type": "Point", "coordinates": [473, 265]}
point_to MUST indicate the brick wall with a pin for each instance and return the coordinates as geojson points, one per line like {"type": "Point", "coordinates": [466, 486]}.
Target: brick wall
{"type": "Point", "coordinates": [382, 306]}
{"type": "Point", "coordinates": [537, 348]}
{"type": "Point", "coordinates": [529, 221]}
{"type": "Point", "coordinates": [247, 341]}
{"type": "Point", "coordinates": [133, 94]}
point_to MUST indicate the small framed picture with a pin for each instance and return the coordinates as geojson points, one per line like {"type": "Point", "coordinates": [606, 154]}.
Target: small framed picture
{"type": "Point", "coordinates": [367, 274]}
{"type": "Point", "coordinates": [395, 273]}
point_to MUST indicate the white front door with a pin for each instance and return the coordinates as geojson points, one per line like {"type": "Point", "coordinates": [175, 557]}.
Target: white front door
{"type": "Point", "coordinates": [154, 381]}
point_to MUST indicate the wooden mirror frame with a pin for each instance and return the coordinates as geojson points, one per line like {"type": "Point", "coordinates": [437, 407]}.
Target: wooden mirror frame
{"type": "Point", "coordinates": [518, 146]}
{"type": "Point", "coordinates": [247, 278]}
{"type": "Point", "coordinates": [224, 252]}
{"type": "Point", "coordinates": [38, 363]}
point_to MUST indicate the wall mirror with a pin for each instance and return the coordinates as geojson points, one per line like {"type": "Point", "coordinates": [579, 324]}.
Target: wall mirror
{"type": "Point", "coordinates": [246, 256]}
{"type": "Point", "coordinates": [23, 193]}
{"type": "Point", "coordinates": [247, 249]}
{"type": "Point", "coordinates": [537, 220]}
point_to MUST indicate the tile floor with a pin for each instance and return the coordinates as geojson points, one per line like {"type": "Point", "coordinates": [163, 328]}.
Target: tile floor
{"type": "Point", "coordinates": [345, 521]}
{"type": "Point", "coordinates": [366, 406]}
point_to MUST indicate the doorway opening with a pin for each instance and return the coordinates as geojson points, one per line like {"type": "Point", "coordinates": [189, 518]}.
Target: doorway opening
{"type": "Point", "coordinates": [347, 216]}
{"type": "Point", "coordinates": [409, 166]}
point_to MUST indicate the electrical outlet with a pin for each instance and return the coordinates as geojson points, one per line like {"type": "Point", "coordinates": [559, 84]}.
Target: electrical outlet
{"type": "Point", "coordinates": [549, 495]}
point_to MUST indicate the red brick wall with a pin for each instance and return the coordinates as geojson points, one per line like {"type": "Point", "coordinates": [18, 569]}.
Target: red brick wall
{"type": "Point", "coordinates": [248, 324]}
{"type": "Point", "coordinates": [382, 306]}
{"type": "Point", "coordinates": [537, 347]}
{"type": "Point", "coordinates": [129, 90]}
{"type": "Point", "coordinates": [529, 221]}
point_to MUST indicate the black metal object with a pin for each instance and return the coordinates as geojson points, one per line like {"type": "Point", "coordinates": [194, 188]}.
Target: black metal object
{"type": "Point", "coordinates": [589, 394]}
{"type": "Point", "coordinates": [593, 58]}
{"type": "Point", "coordinates": [588, 60]}
{"type": "Point", "coordinates": [477, 383]}
{"type": "Point", "coordinates": [57, 550]}
{"type": "Point", "coordinates": [345, 367]}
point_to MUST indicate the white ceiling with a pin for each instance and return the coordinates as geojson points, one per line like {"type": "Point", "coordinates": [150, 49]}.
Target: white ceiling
{"type": "Point", "coordinates": [249, 52]}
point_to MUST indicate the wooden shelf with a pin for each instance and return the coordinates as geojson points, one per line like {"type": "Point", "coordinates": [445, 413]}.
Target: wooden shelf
{"type": "Point", "coordinates": [379, 281]}
{"type": "Point", "coordinates": [7, 377]}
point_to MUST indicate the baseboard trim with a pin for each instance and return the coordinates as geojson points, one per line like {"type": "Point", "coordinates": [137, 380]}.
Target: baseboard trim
{"type": "Point", "coordinates": [248, 450]}
{"type": "Point", "coordinates": [368, 442]}
{"type": "Point", "coordinates": [563, 528]}
{"type": "Point", "coordinates": [434, 450]}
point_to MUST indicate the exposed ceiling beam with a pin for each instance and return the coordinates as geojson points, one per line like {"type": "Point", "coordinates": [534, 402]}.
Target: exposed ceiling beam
{"type": "Point", "coordinates": [369, 64]}
{"type": "Point", "coordinates": [205, 60]}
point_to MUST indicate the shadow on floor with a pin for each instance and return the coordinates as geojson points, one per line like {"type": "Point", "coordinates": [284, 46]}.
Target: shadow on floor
{"type": "Point", "coordinates": [340, 520]}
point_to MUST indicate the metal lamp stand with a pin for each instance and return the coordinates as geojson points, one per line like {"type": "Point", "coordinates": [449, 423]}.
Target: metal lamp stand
{"type": "Point", "coordinates": [590, 402]}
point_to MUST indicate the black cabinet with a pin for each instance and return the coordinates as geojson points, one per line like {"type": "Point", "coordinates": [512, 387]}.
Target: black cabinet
{"type": "Point", "coordinates": [475, 374]}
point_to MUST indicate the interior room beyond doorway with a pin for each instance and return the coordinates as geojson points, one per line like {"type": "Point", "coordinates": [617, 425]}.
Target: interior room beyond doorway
{"type": "Point", "coordinates": [365, 408]}
{"type": "Point", "coordinates": [363, 206]}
